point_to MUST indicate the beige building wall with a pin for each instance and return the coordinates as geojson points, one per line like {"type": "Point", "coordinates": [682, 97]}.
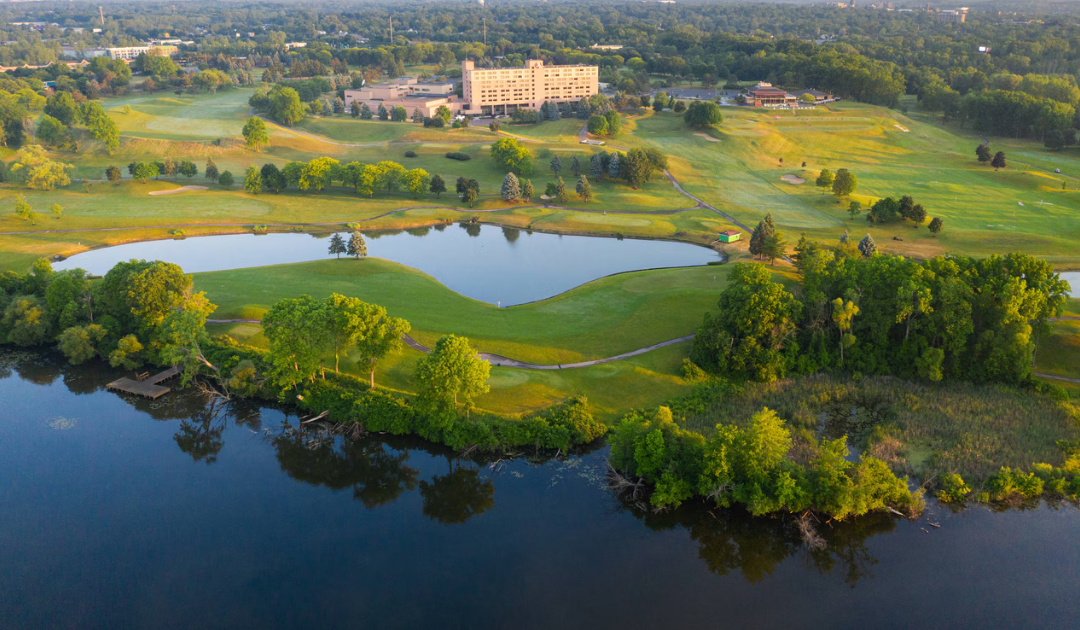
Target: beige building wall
{"type": "Point", "coordinates": [504, 90]}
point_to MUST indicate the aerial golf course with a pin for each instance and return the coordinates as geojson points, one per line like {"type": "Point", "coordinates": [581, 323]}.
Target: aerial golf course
{"type": "Point", "coordinates": [748, 166]}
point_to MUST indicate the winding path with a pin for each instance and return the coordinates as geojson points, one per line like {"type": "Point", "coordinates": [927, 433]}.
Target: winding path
{"type": "Point", "coordinates": [501, 361]}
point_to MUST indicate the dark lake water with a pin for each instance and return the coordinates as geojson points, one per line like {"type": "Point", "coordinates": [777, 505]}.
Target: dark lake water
{"type": "Point", "coordinates": [118, 513]}
{"type": "Point", "coordinates": [487, 263]}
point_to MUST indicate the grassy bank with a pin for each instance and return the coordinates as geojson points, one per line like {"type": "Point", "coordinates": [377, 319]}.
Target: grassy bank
{"type": "Point", "coordinates": [604, 318]}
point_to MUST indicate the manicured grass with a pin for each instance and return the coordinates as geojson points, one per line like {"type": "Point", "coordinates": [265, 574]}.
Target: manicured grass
{"type": "Point", "coordinates": [1059, 354]}
{"type": "Point", "coordinates": [603, 318]}
{"type": "Point", "coordinates": [599, 319]}
{"type": "Point", "coordinates": [739, 173]}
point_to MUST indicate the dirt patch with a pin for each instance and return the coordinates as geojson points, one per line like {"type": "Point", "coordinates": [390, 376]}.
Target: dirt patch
{"type": "Point", "coordinates": [706, 136]}
{"type": "Point", "coordinates": [177, 190]}
{"type": "Point", "coordinates": [794, 180]}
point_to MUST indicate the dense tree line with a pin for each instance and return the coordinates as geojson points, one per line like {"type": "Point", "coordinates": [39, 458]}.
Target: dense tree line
{"type": "Point", "coordinates": [139, 312]}
{"type": "Point", "coordinates": [951, 318]}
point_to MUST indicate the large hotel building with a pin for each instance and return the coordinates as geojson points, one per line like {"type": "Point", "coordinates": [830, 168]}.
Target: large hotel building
{"type": "Point", "coordinates": [485, 91]}
{"type": "Point", "coordinates": [501, 91]}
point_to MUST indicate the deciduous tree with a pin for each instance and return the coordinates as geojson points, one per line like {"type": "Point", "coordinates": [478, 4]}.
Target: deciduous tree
{"type": "Point", "coordinates": [438, 185]}
{"type": "Point", "coordinates": [255, 133]}
{"type": "Point", "coordinates": [451, 374]}
{"type": "Point", "coordinates": [252, 180]}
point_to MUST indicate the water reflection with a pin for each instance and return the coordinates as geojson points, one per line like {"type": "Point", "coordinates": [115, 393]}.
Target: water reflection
{"type": "Point", "coordinates": [487, 263]}
{"type": "Point", "coordinates": [376, 474]}
{"type": "Point", "coordinates": [457, 496]}
{"type": "Point", "coordinates": [732, 541]}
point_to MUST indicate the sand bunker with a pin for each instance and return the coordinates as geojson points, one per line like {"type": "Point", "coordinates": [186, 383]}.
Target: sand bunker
{"type": "Point", "coordinates": [177, 190]}
{"type": "Point", "coordinates": [793, 179]}
{"type": "Point", "coordinates": [706, 136]}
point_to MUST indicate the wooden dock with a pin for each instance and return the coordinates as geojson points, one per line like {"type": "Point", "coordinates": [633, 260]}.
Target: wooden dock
{"type": "Point", "coordinates": [147, 387]}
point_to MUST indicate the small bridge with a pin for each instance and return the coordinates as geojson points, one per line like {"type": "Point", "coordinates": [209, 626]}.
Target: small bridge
{"type": "Point", "coordinates": [146, 387]}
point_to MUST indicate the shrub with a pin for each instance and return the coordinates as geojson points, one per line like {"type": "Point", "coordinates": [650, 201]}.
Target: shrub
{"type": "Point", "coordinates": [458, 155]}
{"type": "Point", "coordinates": [525, 116]}
{"type": "Point", "coordinates": [952, 489]}
{"type": "Point", "coordinates": [410, 153]}
{"type": "Point", "coordinates": [1009, 484]}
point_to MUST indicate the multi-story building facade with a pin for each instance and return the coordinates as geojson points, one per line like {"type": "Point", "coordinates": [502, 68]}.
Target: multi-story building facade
{"type": "Point", "coordinates": [132, 52]}
{"type": "Point", "coordinates": [502, 91]}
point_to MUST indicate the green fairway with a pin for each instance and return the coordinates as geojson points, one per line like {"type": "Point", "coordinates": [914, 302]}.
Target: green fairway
{"type": "Point", "coordinates": [736, 167]}
{"type": "Point", "coordinates": [604, 318]}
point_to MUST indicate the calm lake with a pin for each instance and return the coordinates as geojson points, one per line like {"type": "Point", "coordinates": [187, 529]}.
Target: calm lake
{"type": "Point", "coordinates": [121, 513]}
{"type": "Point", "coordinates": [487, 263]}
{"type": "Point", "coordinates": [1073, 278]}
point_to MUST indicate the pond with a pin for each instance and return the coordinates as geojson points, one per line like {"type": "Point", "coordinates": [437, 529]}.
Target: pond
{"type": "Point", "coordinates": [503, 266]}
{"type": "Point", "coordinates": [1073, 278]}
{"type": "Point", "coordinates": [123, 513]}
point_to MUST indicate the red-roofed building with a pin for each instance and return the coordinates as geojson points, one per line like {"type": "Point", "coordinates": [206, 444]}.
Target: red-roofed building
{"type": "Point", "coordinates": [765, 95]}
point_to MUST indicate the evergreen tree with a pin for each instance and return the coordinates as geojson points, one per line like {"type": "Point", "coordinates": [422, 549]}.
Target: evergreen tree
{"type": "Point", "coordinates": [556, 166]}
{"type": "Point", "coordinates": [354, 109]}
{"type": "Point", "coordinates": [357, 246]}
{"type": "Point", "coordinates": [560, 191]}
{"type": "Point", "coordinates": [527, 192]}
{"type": "Point", "coordinates": [765, 228]}
{"type": "Point", "coordinates": [417, 115]}
{"type": "Point", "coordinates": [384, 114]}
{"type": "Point", "coordinates": [544, 111]}
{"type": "Point", "coordinates": [596, 167]}
{"type": "Point", "coordinates": [337, 245]}
{"type": "Point", "coordinates": [775, 246]}
{"type": "Point", "coordinates": [511, 189]}
{"type": "Point", "coordinates": [614, 166]}
{"type": "Point", "coordinates": [553, 112]}
{"type": "Point", "coordinates": [438, 185]}
{"type": "Point", "coordinates": [365, 112]}
{"type": "Point", "coordinates": [867, 246]}
{"type": "Point", "coordinates": [584, 190]}
{"type": "Point", "coordinates": [575, 167]}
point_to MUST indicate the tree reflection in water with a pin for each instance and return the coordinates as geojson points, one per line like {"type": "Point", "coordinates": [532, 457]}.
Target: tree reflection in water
{"type": "Point", "coordinates": [377, 471]}
{"type": "Point", "coordinates": [457, 496]}
{"type": "Point", "coordinates": [376, 474]}
{"type": "Point", "coordinates": [732, 540]}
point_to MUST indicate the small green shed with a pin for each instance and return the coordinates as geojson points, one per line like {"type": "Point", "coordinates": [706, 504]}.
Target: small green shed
{"type": "Point", "coordinates": [729, 237]}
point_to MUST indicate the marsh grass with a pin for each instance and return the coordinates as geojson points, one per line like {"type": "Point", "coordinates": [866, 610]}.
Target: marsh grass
{"type": "Point", "coordinates": [972, 430]}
